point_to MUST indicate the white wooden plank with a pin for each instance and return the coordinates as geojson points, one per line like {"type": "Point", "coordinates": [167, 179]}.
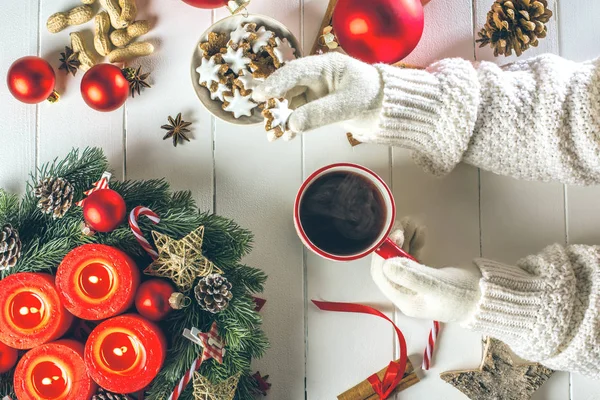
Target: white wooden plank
{"type": "Point", "coordinates": [256, 182]}
{"type": "Point", "coordinates": [70, 123]}
{"type": "Point", "coordinates": [189, 166]}
{"type": "Point", "coordinates": [449, 210]}
{"type": "Point", "coordinates": [343, 349]}
{"type": "Point", "coordinates": [579, 41]}
{"type": "Point", "coordinates": [447, 207]}
{"type": "Point", "coordinates": [520, 218]}
{"type": "Point", "coordinates": [18, 150]}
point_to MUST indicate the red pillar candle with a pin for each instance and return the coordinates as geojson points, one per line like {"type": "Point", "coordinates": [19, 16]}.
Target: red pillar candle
{"type": "Point", "coordinates": [124, 354]}
{"type": "Point", "coordinates": [54, 371]}
{"type": "Point", "coordinates": [31, 311]}
{"type": "Point", "coordinates": [97, 281]}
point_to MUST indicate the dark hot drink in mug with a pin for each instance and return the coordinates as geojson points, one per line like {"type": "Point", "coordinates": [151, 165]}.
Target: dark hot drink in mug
{"type": "Point", "coordinates": [343, 212]}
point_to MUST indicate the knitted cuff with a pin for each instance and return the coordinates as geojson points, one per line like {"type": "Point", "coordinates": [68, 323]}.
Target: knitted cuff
{"type": "Point", "coordinates": [528, 311]}
{"type": "Point", "coordinates": [431, 112]}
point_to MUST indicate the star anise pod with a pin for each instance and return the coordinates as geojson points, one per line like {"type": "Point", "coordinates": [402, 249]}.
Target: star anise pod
{"type": "Point", "coordinates": [177, 129]}
{"type": "Point", "coordinates": [69, 61]}
{"type": "Point", "coordinates": [137, 79]}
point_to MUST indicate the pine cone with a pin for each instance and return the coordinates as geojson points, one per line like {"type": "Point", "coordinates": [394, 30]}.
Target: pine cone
{"type": "Point", "coordinates": [10, 247]}
{"type": "Point", "coordinates": [213, 292]}
{"type": "Point", "coordinates": [515, 24]}
{"type": "Point", "coordinates": [56, 196]}
{"type": "Point", "coordinates": [103, 394]}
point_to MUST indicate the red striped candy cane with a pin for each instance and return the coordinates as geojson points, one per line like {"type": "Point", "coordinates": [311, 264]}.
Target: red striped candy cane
{"type": "Point", "coordinates": [428, 354]}
{"type": "Point", "coordinates": [213, 347]}
{"type": "Point", "coordinates": [137, 232]}
{"type": "Point", "coordinates": [101, 184]}
{"type": "Point", "coordinates": [186, 379]}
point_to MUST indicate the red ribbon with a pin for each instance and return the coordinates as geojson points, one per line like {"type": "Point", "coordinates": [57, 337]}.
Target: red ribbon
{"type": "Point", "coordinates": [395, 371]}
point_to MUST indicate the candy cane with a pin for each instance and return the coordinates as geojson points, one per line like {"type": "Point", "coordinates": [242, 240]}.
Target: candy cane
{"type": "Point", "coordinates": [213, 347]}
{"type": "Point", "coordinates": [101, 184]}
{"type": "Point", "coordinates": [137, 232]}
{"type": "Point", "coordinates": [428, 354]}
{"type": "Point", "coordinates": [186, 379]}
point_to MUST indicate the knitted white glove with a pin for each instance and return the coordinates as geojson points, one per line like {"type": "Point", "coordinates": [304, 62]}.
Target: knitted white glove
{"type": "Point", "coordinates": [446, 294]}
{"type": "Point", "coordinates": [331, 88]}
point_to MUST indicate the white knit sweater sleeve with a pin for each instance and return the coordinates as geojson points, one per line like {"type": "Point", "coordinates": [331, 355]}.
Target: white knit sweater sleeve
{"type": "Point", "coordinates": [547, 308]}
{"type": "Point", "coordinates": [537, 119]}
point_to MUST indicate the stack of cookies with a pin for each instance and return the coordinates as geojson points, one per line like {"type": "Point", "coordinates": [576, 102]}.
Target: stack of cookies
{"type": "Point", "coordinates": [234, 63]}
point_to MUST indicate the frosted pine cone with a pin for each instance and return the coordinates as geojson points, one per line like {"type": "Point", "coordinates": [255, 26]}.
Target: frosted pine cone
{"type": "Point", "coordinates": [10, 247]}
{"type": "Point", "coordinates": [213, 292]}
{"type": "Point", "coordinates": [55, 196]}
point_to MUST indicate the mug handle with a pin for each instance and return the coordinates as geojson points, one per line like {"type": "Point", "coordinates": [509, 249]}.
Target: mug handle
{"type": "Point", "coordinates": [389, 249]}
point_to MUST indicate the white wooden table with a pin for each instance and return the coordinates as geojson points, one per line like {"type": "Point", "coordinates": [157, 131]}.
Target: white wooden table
{"type": "Point", "coordinates": [235, 172]}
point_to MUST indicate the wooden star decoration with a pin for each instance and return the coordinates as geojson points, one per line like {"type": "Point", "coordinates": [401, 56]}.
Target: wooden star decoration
{"type": "Point", "coordinates": [498, 377]}
{"type": "Point", "coordinates": [205, 390]}
{"type": "Point", "coordinates": [181, 260]}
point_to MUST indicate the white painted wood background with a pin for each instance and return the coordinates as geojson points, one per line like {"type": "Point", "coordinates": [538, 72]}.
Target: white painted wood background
{"type": "Point", "coordinates": [235, 172]}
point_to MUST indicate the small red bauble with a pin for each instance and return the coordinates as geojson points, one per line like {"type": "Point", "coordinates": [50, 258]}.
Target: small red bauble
{"type": "Point", "coordinates": [104, 87]}
{"type": "Point", "coordinates": [206, 3]}
{"type": "Point", "coordinates": [375, 31]}
{"type": "Point", "coordinates": [152, 299]}
{"type": "Point", "coordinates": [104, 210]}
{"type": "Point", "coordinates": [31, 80]}
{"type": "Point", "coordinates": [8, 358]}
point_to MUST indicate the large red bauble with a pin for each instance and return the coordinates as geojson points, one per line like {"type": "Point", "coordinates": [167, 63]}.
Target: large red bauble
{"type": "Point", "coordinates": [31, 79]}
{"type": "Point", "coordinates": [376, 31]}
{"type": "Point", "coordinates": [104, 87]}
{"type": "Point", "coordinates": [8, 358]}
{"type": "Point", "coordinates": [206, 3]}
{"type": "Point", "coordinates": [152, 299]}
{"type": "Point", "coordinates": [104, 210]}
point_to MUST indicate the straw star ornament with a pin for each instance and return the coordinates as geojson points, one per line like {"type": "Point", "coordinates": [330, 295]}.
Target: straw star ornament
{"type": "Point", "coordinates": [181, 260]}
{"type": "Point", "coordinates": [205, 390]}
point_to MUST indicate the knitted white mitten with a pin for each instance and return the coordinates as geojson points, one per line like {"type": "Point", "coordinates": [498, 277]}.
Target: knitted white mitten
{"type": "Point", "coordinates": [446, 294]}
{"type": "Point", "coordinates": [329, 88]}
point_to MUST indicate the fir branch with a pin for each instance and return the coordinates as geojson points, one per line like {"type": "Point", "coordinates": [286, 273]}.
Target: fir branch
{"type": "Point", "coordinates": [9, 207]}
{"type": "Point", "coordinates": [6, 385]}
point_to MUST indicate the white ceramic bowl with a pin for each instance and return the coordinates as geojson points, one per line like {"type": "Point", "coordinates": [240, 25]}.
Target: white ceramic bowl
{"type": "Point", "coordinates": [226, 25]}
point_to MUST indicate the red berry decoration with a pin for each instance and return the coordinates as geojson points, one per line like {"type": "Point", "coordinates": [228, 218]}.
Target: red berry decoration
{"type": "Point", "coordinates": [8, 358]}
{"type": "Point", "coordinates": [104, 210]}
{"type": "Point", "coordinates": [104, 87]}
{"type": "Point", "coordinates": [378, 31]}
{"type": "Point", "coordinates": [233, 5]}
{"type": "Point", "coordinates": [31, 80]}
{"type": "Point", "coordinates": [206, 3]}
{"type": "Point", "coordinates": [152, 299]}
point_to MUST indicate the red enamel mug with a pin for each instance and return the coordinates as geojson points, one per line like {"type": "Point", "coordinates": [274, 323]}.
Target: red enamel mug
{"type": "Point", "coordinates": [382, 244]}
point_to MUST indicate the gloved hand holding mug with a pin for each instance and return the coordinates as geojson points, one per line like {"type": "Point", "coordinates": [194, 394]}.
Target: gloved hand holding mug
{"type": "Point", "coordinates": [546, 307]}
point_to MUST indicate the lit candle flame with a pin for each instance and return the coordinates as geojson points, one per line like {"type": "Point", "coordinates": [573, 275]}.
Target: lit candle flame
{"type": "Point", "coordinates": [120, 351]}
{"type": "Point", "coordinates": [23, 311]}
{"type": "Point", "coordinates": [93, 279]}
{"type": "Point", "coordinates": [46, 381]}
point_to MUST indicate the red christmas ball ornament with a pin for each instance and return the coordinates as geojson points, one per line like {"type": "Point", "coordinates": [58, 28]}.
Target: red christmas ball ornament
{"type": "Point", "coordinates": [31, 80]}
{"type": "Point", "coordinates": [104, 210]}
{"type": "Point", "coordinates": [8, 358]}
{"type": "Point", "coordinates": [378, 31]}
{"type": "Point", "coordinates": [104, 87]}
{"type": "Point", "coordinates": [152, 299]}
{"type": "Point", "coordinates": [233, 5]}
